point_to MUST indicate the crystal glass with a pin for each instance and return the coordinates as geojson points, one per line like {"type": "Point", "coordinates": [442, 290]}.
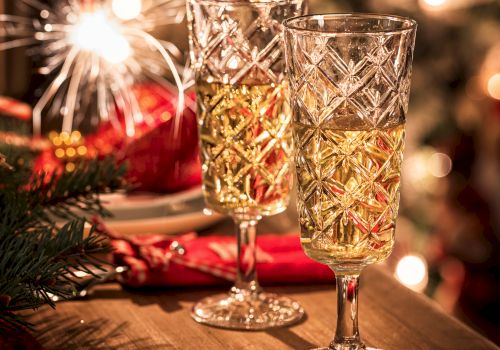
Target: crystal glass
{"type": "Point", "coordinates": [349, 76]}
{"type": "Point", "coordinates": [246, 141]}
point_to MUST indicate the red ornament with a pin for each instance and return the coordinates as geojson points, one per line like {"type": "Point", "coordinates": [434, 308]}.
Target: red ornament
{"type": "Point", "coordinates": [165, 158]}
{"type": "Point", "coordinates": [162, 154]}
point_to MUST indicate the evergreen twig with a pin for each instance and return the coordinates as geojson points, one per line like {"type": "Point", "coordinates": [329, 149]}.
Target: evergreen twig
{"type": "Point", "coordinates": [39, 257]}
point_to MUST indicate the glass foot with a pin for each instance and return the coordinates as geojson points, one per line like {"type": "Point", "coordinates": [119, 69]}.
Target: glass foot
{"type": "Point", "coordinates": [247, 311]}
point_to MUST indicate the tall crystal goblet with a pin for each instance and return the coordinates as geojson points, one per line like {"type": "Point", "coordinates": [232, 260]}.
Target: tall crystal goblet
{"type": "Point", "coordinates": [349, 76]}
{"type": "Point", "coordinates": [246, 141]}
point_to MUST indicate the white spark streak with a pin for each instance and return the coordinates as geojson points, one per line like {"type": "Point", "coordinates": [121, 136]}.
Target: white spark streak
{"type": "Point", "coordinates": [96, 57]}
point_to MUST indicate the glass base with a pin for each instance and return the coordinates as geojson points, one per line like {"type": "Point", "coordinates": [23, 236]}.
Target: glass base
{"type": "Point", "coordinates": [247, 311]}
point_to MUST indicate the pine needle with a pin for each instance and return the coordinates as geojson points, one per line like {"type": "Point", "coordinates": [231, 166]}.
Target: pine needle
{"type": "Point", "coordinates": [38, 257]}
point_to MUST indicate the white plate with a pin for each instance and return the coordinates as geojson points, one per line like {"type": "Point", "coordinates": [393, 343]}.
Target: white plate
{"type": "Point", "coordinates": [168, 225]}
{"type": "Point", "coordinates": [146, 213]}
{"type": "Point", "coordinates": [119, 202]}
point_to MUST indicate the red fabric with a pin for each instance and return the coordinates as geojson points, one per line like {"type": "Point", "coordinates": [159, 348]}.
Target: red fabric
{"type": "Point", "coordinates": [152, 262]}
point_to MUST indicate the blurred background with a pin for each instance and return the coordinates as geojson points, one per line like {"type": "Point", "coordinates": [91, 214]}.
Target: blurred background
{"type": "Point", "coordinates": [448, 235]}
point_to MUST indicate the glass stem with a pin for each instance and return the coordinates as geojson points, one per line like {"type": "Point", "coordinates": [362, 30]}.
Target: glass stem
{"type": "Point", "coordinates": [347, 333]}
{"type": "Point", "coordinates": [246, 232]}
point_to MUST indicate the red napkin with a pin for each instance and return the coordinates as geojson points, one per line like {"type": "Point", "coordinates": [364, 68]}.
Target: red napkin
{"type": "Point", "coordinates": [204, 261]}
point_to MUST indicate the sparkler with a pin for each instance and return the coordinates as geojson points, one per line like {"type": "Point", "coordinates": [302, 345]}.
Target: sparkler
{"type": "Point", "coordinates": [97, 50]}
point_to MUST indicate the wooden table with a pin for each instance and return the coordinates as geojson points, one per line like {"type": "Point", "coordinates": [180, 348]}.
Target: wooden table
{"type": "Point", "coordinates": [391, 317]}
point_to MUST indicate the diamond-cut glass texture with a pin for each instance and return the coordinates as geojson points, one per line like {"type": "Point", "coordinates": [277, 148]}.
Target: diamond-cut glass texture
{"type": "Point", "coordinates": [349, 98]}
{"type": "Point", "coordinates": [243, 104]}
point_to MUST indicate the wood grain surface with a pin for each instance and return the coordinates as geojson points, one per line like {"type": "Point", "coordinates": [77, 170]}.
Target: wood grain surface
{"type": "Point", "coordinates": [391, 317]}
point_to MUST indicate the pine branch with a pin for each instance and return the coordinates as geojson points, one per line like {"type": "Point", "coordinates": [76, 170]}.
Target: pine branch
{"type": "Point", "coordinates": [39, 259]}
{"type": "Point", "coordinates": [35, 266]}
{"type": "Point", "coordinates": [61, 194]}
{"type": "Point", "coordinates": [45, 197]}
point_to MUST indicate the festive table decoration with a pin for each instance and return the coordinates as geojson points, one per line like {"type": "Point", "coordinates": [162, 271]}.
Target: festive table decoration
{"type": "Point", "coordinates": [39, 254]}
{"type": "Point", "coordinates": [244, 119]}
{"type": "Point", "coordinates": [189, 260]}
{"type": "Point", "coordinates": [162, 156]}
{"type": "Point", "coordinates": [96, 57]}
{"type": "Point", "coordinates": [111, 90]}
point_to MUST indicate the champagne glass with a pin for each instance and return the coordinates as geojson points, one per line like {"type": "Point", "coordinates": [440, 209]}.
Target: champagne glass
{"type": "Point", "coordinates": [246, 141]}
{"type": "Point", "coordinates": [350, 81]}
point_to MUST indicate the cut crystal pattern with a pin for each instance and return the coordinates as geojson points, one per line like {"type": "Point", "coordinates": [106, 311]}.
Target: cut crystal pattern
{"type": "Point", "coordinates": [349, 85]}
{"type": "Point", "coordinates": [246, 147]}
{"type": "Point", "coordinates": [246, 139]}
{"type": "Point", "coordinates": [349, 98]}
{"type": "Point", "coordinates": [244, 114]}
{"type": "Point", "coordinates": [231, 46]}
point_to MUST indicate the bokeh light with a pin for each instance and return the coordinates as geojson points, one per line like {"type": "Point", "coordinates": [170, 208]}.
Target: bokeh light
{"type": "Point", "coordinates": [439, 164]}
{"type": "Point", "coordinates": [411, 271]}
{"type": "Point", "coordinates": [434, 3]}
{"type": "Point", "coordinates": [126, 9]}
{"type": "Point", "coordinates": [425, 168]}
{"type": "Point", "coordinates": [494, 86]}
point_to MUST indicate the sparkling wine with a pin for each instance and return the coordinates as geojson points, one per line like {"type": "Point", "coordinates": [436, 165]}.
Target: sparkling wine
{"type": "Point", "coordinates": [246, 147]}
{"type": "Point", "coordinates": [348, 192]}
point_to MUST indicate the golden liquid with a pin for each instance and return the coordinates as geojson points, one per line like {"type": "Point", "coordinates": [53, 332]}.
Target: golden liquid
{"type": "Point", "coordinates": [246, 147]}
{"type": "Point", "coordinates": [348, 193]}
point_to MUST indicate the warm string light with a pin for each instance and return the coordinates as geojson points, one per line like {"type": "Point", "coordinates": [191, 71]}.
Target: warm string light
{"type": "Point", "coordinates": [439, 164]}
{"type": "Point", "coordinates": [443, 6]}
{"type": "Point", "coordinates": [97, 51]}
{"type": "Point", "coordinates": [68, 147]}
{"type": "Point", "coordinates": [489, 75]}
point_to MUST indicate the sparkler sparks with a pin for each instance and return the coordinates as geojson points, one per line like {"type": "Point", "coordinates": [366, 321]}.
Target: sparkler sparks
{"type": "Point", "coordinates": [97, 50]}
